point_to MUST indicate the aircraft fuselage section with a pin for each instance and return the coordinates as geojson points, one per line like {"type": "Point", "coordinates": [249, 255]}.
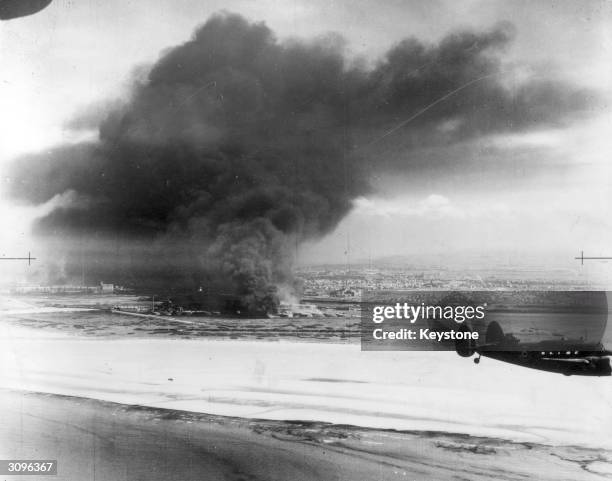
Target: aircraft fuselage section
{"type": "Point", "coordinates": [581, 363]}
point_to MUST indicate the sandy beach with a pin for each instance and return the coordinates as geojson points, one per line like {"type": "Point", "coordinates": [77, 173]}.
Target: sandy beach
{"type": "Point", "coordinates": [335, 383]}
{"type": "Point", "coordinates": [108, 441]}
{"type": "Point", "coordinates": [114, 406]}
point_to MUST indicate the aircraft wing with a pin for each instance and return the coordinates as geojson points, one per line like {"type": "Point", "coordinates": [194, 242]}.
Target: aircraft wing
{"type": "Point", "coordinates": [10, 9]}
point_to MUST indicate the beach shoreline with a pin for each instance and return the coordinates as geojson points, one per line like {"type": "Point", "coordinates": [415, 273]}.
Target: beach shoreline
{"type": "Point", "coordinates": [315, 381]}
{"type": "Point", "coordinates": [101, 440]}
{"type": "Point", "coordinates": [113, 406]}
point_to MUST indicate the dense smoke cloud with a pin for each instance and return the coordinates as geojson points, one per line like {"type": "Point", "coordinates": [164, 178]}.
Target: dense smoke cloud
{"type": "Point", "coordinates": [236, 147]}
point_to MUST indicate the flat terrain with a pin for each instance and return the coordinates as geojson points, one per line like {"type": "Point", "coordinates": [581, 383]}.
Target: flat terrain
{"type": "Point", "coordinates": [91, 316]}
{"type": "Point", "coordinates": [127, 398]}
{"type": "Point", "coordinates": [106, 441]}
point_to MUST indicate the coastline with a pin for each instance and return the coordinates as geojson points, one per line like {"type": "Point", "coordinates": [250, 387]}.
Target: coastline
{"type": "Point", "coordinates": [110, 441]}
{"type": "Point", "coordinates": [322, 382]}
{"type": "Point", "coordinates": [113, 406]}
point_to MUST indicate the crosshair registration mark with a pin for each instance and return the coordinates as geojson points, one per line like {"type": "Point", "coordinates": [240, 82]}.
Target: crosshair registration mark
{"type": "Point", "coordinates": [583, 258]}
{"type": "Point", "coordinates": [29, 259]}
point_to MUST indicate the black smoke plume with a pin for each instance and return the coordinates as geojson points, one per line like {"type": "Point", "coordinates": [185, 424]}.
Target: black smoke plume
{"type": "Point", "coordinates": [237, 146]}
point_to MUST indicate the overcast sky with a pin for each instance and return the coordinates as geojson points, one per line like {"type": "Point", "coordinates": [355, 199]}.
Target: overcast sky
{"type": "Point", "coordinates": [529, 191]}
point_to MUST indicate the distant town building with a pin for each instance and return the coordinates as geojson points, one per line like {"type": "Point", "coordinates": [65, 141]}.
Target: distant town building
{"type": "Point", "coordinates": [106, 288]}
{"type": "Point", "coordinates": [64, 289]}
{"type": "Point", "coordinates": [102, 288]}
{"type": "Point", "coordinates": [347, 292]}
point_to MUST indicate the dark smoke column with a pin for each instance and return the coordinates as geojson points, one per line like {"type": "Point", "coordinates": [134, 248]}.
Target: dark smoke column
{"type": "Point", "coordinates": [236, 147]}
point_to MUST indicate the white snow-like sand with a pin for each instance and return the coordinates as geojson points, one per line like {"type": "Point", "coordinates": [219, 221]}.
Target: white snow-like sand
{"type": "Point", "coordinates": [315, 381]}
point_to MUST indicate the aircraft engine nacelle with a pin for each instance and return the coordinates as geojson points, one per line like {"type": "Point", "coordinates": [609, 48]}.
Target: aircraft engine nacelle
{"type": "Point", "coordinates": [465, 347]}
